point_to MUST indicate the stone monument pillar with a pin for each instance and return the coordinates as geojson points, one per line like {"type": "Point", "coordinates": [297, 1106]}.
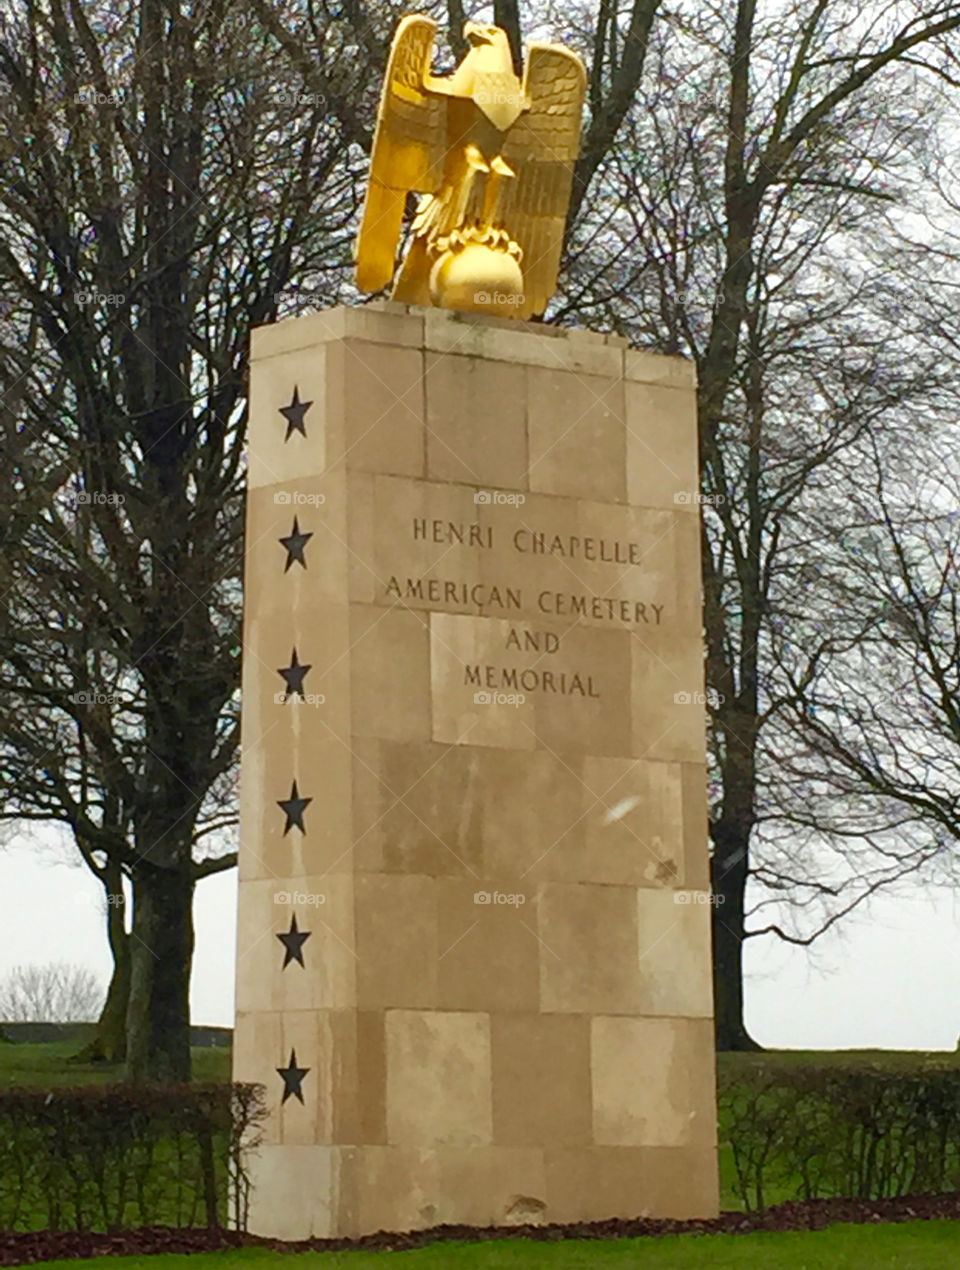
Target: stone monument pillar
{"type": "Point", "coordinates": [474, 935]}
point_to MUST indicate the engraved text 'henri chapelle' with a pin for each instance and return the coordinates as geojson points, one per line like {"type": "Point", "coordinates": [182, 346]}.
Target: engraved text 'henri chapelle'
{"type": "Point", "coordinates": [502, 598]}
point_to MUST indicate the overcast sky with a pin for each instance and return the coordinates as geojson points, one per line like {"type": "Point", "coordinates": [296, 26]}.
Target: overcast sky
{"type": "Point", "coordinates": [889, 979]}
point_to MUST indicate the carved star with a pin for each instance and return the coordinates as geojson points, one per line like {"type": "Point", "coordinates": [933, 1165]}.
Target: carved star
{"type": "Point", "coordinates": [293, 808]}
{"type": "Point", "coordinates": [293, 676]}
{"type": "Point", "coordinates": [295, 544]}
{"type": "Point", "coordinates": [293, 942]}
{"type": "Point", "coordinates": [292, 1078]}
{"type": "Point", "coordinates": [294, 414]}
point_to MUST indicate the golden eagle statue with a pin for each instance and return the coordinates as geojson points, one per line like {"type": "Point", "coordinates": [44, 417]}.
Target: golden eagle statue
{"type": "Point", "coordinates": [493, 161]}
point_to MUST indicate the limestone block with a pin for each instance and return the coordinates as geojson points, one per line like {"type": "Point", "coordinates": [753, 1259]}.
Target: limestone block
{"type": "Point", "coordinates": [643, 1091]}
{"type": "Point", "coordinates": [324, 1045]}
{"type": "Point", "coordinates": [304, 334]}
{"type": "Point", "coordinates": [288, 446]}
{"type": "Point", "coordinates": [490, 1186]}
{"type": "Point", "coordinates": [417, 808]}
{"type": "Point", "coordinates": [389, 673]}
{"type": "Point", "coordinates": [531, 343]}
{"type": "Point", "coordinates": [494, 685]}
{"type": "Point", "coordinates": [300, 671]}
{"type": "Point", "coordinates": [379, 395]}
{"type": "Point", "coordinates": [371, 1077]}
{"type": "Point", "coordinates": [541, 1079]}
{"type": "Point", "coordinates": [681, 1182]}
{"type": "Point", "coordinates": [577, 437]}
{"type": "Point", "coordinates": [272, 843]}
{"type": "Point", "coordinates": [594, 1183]}
{"type": "Point", "coordinates": [696, 870]}
{"type": "Point", "coordinates": [294, 1191]}
{"type": "Point", "coordinates": [668, 702]}
{"type": "Point", "coordinates": [489, 949]}
{"type": "Point", "coordinates": [465, 710]}
{"type": "Point", "coordinates": [476, 422]}
{"type": "Point", "coordinates": [297, 552]}
{"type": "Point", "coordinates": [438, 1078]}
{"type": "Point", "coordinates": [426, 544]}
{"type": "Point", "coordinates": [633, 822]}
{"type": "Point", "coordinates": [673, 929]}
{"type": "Point", "coordinates": [588, 963]}
{"type": "Point", "coordinates": [296, 973]}
{"type": "Point", "coordinates": [532, 809]}
{"type": "Point", "coordinates": [661, 429]}
{"type": "Point", "coordinates": [396, 940]}
{"type": "Point", "coordinates": [386, 1188]}
{"type": "Point", "coordinates": [655, 368]}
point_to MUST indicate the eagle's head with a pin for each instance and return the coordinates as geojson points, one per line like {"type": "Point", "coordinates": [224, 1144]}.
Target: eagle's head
{"type": "Point", "coordinates": [478, 36]}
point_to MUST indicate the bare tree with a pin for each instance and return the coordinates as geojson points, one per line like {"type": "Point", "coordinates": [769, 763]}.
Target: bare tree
{"type": "Point", "coordinates": [166, 173]}
{"type": "Point", "coordinates": [870, 732]}
{"type": "Point", "coordinates": [745, 222]}
{"type": "Point", "coordinates": [55, 992]}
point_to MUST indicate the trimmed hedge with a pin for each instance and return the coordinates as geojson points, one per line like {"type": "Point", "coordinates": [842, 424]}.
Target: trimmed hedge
{"type": "Point", "coordinates": [862, 1131]}
{"type": "Point", "coordinates": [113, 1157]}
{"type": "Point", "coordinates": [108, 1157]}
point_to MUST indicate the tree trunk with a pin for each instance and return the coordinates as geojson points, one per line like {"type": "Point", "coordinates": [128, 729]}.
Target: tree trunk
{"type": "Point", "coordinates": [729, 869]}
{"type": "Point", "coordinates": [109, 1042]}
{"type": "Point", "coordinates": [506, 14]}
{"type": "Point", "coordinates": [158, 1011]}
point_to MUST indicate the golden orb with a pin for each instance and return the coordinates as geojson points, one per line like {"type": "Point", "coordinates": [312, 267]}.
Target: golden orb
{"type": "Point", "coordinates": [478, 278]}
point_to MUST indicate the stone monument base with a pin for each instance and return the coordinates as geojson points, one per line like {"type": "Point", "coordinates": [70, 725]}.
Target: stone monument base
{"type": "Point", "coordinates": [304, 1192]}
{"type": "Point", "coordinates": [474, 925]}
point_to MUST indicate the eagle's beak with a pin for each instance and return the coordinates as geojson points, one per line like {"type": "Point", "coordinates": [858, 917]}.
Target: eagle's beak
{"type": "Point", "coordinates": [474, 34]}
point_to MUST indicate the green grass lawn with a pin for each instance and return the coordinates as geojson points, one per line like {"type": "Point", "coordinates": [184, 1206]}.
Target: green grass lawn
{"type": "Point", "coordinates": [893, 1060]}
{"type": "Point", "coordinates": [911, 1246]}
{"type": "Point", "coordinates": [49, 1064]}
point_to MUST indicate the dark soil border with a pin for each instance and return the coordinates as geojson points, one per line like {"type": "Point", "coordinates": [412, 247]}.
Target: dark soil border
{"type": "Point", "coordinates": [45, 1245]}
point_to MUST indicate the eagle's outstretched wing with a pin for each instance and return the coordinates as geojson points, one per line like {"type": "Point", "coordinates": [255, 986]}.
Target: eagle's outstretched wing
{"type": "Point", "coordinates": [408, 149]}
{"type": "Point", "coordinates": [542, 147]}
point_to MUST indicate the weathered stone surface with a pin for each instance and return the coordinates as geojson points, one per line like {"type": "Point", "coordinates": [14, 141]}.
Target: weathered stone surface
{"type": "Point", "coordinates": [478, 544]}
